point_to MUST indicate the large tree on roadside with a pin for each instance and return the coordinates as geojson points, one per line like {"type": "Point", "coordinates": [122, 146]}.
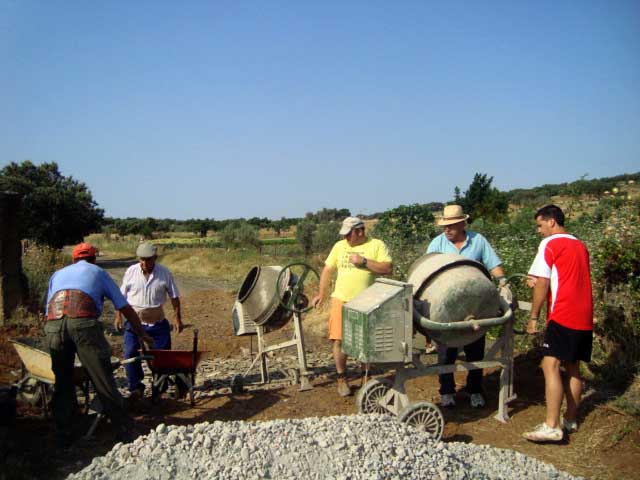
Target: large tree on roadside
{"type": "Point", "coordinates": [57, 210]}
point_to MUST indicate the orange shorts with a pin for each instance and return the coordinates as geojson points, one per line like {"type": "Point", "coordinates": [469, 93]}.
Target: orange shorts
{"type": "Point", "coordinates": [335, 319]}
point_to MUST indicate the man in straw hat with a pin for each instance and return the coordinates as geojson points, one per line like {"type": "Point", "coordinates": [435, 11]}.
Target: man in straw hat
{"type": "Point", "coordinates": [457, 239]}
{"type": "Point", "coordinates": [146, 286]}
{"type": "Point", "coordinates": [74, 304]}
{"type": "Point", "coordinates": [358, 260]}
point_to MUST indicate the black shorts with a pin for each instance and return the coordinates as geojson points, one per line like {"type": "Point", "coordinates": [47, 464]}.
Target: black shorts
{"type": "Point", "coordinates": [567, 344]}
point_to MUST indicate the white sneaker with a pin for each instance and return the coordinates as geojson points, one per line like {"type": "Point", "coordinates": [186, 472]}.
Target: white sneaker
{"type": "Point", "coordinates": [448, 400]}
{"type": "Point", "coordinates": [569, 426]}
{"type": "Point", "coordinates": [544, 433]}
{"type": "Point", "coordinates": [477, 400]}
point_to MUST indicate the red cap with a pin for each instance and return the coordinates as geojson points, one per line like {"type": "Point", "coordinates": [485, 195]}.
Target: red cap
{"type": "Point", "coordinates": [83, 250]}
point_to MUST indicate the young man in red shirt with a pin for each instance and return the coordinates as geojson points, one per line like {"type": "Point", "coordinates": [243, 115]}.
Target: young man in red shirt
{"type": "Point", "coordinates": [560, 274]}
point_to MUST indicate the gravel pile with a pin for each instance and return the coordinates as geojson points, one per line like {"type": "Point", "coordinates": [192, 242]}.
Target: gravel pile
{"type": "Point", "coordinates": [345, 447]}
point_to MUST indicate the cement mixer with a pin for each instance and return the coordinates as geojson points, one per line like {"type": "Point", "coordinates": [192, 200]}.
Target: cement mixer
{"type": "Point", "coordinates": [268, 298]}
{"type": "Point", "coordinates": [448, 297]}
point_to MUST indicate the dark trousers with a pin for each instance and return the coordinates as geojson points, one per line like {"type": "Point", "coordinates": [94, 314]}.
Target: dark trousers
{"type": "Point", "coordinates": [161, 334]}
{"type": "Point", "coordinates": [84, 336]}
{"type": "Point", "coordinates": [447, 356]}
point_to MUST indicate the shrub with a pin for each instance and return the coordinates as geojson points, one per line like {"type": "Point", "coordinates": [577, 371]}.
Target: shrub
{"type": "Point", "coordinates": [241, 234]}
{"type": "Point", "coordinates": [325, 236]}
{"type": "Point", "coordinates": [38, 263]}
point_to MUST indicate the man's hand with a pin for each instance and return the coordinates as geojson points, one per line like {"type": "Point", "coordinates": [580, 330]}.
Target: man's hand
{"type": "Point", "coordinates": [532, 326]}
{"type": "Point", "coordinates": [179, 325]}
{"type": "Point", "coordinates": [356, 259]}
{"type": "Point", "coordinates": [531, 281]}
{"type": "Point", "coordinates": [144, 336]}
{"type": "Point", "coordinates": [317, 301]}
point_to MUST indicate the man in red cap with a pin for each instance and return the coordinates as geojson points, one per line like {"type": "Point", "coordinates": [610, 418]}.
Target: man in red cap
{"type": "Point", "coordinates": [74, 304]}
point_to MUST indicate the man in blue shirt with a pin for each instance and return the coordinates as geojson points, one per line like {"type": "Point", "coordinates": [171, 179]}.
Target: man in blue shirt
{"type": "Point", "coordinates": [456, 239]}
{"type": "Point", "coordinates": [74, 304]}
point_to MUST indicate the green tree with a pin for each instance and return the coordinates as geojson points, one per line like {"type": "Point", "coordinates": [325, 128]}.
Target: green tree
{"type": "Point", "coordinates": [483, 200]}
{"type": "Point", "coordinates": [304, 234]}
{"type": "Point", "coordinates": [241, 234]}
{"type": "Point", "coordinates": [57, 210]}
{"type": "Point", "coordinates": [325, 235]}
{"type": "Point", "coordinates": [406, 230]}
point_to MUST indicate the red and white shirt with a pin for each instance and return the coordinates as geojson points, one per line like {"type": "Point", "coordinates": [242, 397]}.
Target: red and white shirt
{"type": "Point", "coordinates": [564, 260]}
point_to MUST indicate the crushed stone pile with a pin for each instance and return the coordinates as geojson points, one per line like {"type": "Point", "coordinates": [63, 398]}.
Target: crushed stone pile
{"type": "Point", "coordinates": [372, 447]}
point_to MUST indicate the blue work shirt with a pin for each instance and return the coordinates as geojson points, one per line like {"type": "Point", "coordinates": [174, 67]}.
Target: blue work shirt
{"type": "Point", "coordinates": [90, 279]}
{"type": "Point", "coordinates": [475, 247]}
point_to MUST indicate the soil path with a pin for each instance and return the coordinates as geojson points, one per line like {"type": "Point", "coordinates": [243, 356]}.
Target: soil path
{"type": "Point", "coordinates": [606, 446]}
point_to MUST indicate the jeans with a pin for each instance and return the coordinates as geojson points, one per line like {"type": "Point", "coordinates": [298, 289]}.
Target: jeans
{"type": "Point", "coordinates": [447, 356]}
{"type": "Point", "coordinates": [161, 334]}
{"type": "Point", "coordinates": [84, 336]}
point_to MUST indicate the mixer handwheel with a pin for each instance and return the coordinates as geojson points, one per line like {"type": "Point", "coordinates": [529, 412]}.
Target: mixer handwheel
{"type": "Point", "coordinates": [297, 301]}
{"type": "Point", "coordinates": [371, 394]}
{"type": "Point", "coordinates": [425, 417]}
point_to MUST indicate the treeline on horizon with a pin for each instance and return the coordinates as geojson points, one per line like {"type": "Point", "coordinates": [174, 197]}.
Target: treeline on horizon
{"type": "Point", "coordinates": [200, 226]}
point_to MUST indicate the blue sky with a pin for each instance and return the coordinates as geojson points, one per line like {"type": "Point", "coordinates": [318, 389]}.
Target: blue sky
{"type": "Point", "coordinates": [271, 108]}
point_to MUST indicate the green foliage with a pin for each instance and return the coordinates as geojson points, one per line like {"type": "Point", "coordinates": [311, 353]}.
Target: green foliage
{"type": "Point", "coordinates": [304, 235]}
{"type": "Point", "coordinates": [325, 236]}
{"type": "Point", "coordinates": [406, 230]}
{"type": "Point", "coordinates": [480, 200]}
{"type": "Point", "coordinates": [241, 234]}
{"type": "Point", "coordinates": [57, 210]}
{"type": "Point", "coordinates": [38, 264]}
{"type": "Point", "coordinates": [542, 195]}
{"type": "Point", "coordinates": [328, 215]}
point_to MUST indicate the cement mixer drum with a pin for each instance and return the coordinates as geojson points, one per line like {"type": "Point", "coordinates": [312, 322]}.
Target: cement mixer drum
{"type": "Point", "coordinates": [259, 295]}
{"type": "Point", "coordinates": [450, 288]}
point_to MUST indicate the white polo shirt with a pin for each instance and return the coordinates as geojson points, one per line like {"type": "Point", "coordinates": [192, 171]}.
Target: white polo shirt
{"type": "Point", "coordinates": [149, 292]}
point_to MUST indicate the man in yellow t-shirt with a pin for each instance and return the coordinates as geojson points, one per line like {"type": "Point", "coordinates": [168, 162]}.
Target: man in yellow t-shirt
{"type": "Point", "coordinates": [358, 261]}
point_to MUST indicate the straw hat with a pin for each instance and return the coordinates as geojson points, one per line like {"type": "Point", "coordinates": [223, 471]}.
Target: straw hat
{"type": "Point", "coordinates": [452, 214]}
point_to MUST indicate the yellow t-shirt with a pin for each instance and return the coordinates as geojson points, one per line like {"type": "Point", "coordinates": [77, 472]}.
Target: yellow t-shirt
{"type": "Point", "coordinates": [351, 279]}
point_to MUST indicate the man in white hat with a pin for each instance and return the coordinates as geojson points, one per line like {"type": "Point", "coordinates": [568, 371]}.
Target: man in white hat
{"type": "Point", "coordinates": [457, 239]}
{"type": "Point", "coordinates": [146, 286]}
{"type": "Point", "coordinates": [358, 260]}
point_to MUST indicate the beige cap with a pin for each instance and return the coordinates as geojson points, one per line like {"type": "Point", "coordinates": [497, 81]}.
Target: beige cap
{"type": "Point", "coordinates": [146, 250]}
{"type": "Point", "coordinates": [349, 224]}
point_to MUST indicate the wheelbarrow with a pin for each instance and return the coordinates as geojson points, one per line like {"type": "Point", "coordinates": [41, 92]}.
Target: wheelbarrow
{"type": "Point", "coordinates": [38, 379]}
{"type": "Point", "coordinates": [179, 364]}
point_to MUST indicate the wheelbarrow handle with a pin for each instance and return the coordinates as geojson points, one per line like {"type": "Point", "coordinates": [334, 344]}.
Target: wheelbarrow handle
{"type": "Point", "coordinates": [139, 358]}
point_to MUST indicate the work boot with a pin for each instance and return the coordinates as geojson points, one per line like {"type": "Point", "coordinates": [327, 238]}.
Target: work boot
{"type": "Point", "coordinates": [344, 390]}
{"type": "Point", "coordinates": [569, 426]}
{"type": "Point", "coordinates": [476, 400]}
{"type": "Point", "coordinates": [447, 400]}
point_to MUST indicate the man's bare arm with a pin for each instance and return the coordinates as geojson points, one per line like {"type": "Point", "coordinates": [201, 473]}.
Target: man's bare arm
{"type": "Point", "coordinates": [540, 290]}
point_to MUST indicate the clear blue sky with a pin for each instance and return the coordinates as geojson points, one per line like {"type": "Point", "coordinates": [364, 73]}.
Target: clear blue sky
{"type": "Point", "coordinates": [274, 108]}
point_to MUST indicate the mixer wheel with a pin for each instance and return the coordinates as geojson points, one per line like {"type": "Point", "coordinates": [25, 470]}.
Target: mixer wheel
{"type": "Point", "coordinates": [370, 395]}
{"type": "Point", "coordinates": [237, 384]}
{"type": "Point", "coordinates": [425, 417]}
{"type": "Point", "coordinates": [294, 375]}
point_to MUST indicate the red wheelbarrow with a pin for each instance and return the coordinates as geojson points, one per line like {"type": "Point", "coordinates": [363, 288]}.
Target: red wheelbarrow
{"type": "Point", "coordinates": [174, 366]}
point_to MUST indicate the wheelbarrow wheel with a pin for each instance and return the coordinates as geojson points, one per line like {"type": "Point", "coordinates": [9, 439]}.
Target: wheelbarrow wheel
{"type": "Point", "coordinates": [371, 394]}
{"type": "Point", "coordinates": [425, 417]}
{"type": "Point", "coordinates": [237, 384]}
